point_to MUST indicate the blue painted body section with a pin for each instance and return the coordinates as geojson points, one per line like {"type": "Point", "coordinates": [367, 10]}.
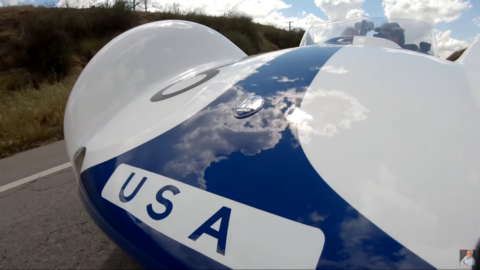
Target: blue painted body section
{"type": "Point", "coordinates": [256, 161]}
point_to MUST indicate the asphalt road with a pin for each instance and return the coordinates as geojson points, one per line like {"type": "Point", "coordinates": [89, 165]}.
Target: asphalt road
{"type": "Point", "coordinates": [43, 224]}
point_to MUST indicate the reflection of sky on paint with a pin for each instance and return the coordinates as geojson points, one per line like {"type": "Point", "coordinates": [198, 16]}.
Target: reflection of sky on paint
{"type": "Point", "coordinates": [331, 69]}
{"type": "Point", "coordinates": [336, 111]}
{"type": "Point", "coordinates": [284, 79]}
{"type": "Point", "coordinates": [213, 133]}
{"type": "Point", "coordinates": [386, 186]}
{"type": "Point", "coordinates": [220, 135]}
{"type": "Point", "coordinates": [354, 233]}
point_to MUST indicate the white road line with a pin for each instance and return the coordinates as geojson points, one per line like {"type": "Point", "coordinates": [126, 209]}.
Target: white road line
{"type": "Point", "coordinates": [34, 177]}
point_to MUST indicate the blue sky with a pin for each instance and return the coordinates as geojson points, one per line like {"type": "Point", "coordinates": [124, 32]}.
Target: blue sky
{"type": "Point", "coordinates": [464, 28]}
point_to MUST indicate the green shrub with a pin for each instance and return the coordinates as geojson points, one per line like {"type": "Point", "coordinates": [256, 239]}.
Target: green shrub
{"type": "Point", "coordinates": [109, 21]}
{"type": "Point", "coordinates": [282, 38]}
{"type": "Point", "coordinates": [52, 35]}
{"type": "Point", "coordinates": [46, 46]}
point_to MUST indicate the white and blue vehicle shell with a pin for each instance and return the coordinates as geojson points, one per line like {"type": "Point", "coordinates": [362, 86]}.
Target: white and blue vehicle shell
{"type": "Point", "coordinates": [349, 151]}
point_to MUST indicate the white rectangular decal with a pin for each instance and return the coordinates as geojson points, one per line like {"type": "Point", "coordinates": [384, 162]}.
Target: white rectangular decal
{"type": "Point", "coordinates": [231, 233]}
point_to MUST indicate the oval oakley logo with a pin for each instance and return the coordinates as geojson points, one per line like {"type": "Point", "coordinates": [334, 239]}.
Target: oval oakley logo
{"type": "Point", "coordinates": [248, 107]}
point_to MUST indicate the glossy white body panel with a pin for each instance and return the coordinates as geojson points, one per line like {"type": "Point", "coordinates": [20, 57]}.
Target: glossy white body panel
{"type": "Point", "coordinates": [400, 144]}
{"type": "Point", "coordinates": [374, 42]}
{"type": "Point", "coordinates": [470, 61]}
{"type": "Point", "coordinates": [396, 133]}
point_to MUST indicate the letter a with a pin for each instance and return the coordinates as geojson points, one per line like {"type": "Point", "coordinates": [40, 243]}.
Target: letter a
{"type": "Point", "coordinates": [221, 235]}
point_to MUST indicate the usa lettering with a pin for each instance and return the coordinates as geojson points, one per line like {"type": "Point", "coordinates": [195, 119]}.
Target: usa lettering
{"type": "Point", "coordinates": [223, 214]}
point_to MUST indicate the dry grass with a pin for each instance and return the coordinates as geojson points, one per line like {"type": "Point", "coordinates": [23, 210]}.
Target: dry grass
{"type": "Point", "coordinates": [32, 117]}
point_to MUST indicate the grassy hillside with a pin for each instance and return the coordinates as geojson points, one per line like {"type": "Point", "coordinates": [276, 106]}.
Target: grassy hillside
{"type": "Point", "coordinates": [43, 50]}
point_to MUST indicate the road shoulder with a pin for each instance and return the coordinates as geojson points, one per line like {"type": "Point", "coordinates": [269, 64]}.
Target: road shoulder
{"type": "Point", "coordinates": [33, 161]}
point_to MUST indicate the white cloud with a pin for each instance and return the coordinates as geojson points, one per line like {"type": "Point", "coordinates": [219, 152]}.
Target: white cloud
{"type": "Point", "coordinates": [356, 13]}
{"type": "Point", "coordinates": [79, 3]}
{"type": "Point", "coordinates": [447, 45]}
{"type": "Point", "coordinates": [338, 9]}
{"type": "Point", "coordinates": [6, 3]}
{"type": "Point", "coordinates": [430, 11]}
{"type": "Point", "coordinates": [476, 21]}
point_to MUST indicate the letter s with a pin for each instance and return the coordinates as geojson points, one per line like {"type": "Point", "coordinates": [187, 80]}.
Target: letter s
{"type": "Point", "coordinates": [167, 203]}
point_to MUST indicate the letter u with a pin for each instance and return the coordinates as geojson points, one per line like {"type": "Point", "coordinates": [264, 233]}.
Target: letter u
{"type": "Point", "coordinates": [122, 196]}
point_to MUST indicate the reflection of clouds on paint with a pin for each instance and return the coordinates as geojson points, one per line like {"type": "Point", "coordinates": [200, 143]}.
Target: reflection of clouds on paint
{"type": "Point", "coordinates": [398, 199]}
{"type": "Point", "coordinates": [298, 116]}
{"type": "Point", "coordinates": [287, 99]}
{"type": "Point", "coordinates": [386, 188]}
{"type": "Point", "coordinates": [209, 135]}
{"type": "Point", "coordinates": [385, 183]}
{"type": "Point", "coordinates": [354, 233]}
{"type": "Point", "coordinates": [334, 111]}
{"type": "Point", "coordinates": [474, 178]}
{"type": "Point", "coordinates": [284, 79]}
{"type": "Point", "coordinates": [331, 69]}
{"type": "Point", "coordinates": [315, 217]}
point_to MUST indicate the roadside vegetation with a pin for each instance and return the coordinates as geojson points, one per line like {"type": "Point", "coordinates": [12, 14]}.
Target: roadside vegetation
{"type": "Point", "coordinates": [43, 50]}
